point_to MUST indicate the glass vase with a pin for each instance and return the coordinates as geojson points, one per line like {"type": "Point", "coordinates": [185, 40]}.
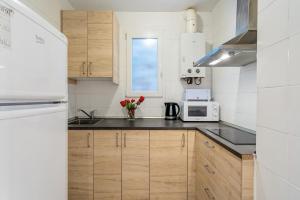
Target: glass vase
{"type": "Point", "coordinates": [131, 114]}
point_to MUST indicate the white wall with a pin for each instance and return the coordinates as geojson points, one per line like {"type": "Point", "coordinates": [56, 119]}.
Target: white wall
{"type": "Point", "coordinates": [278, 134]}
{"type": "Point", "coordinates": [49, 9]}
{"type": "Point", "coordinates": [233, 87]}
{"type": "Point", "coordinates": [104, 96]}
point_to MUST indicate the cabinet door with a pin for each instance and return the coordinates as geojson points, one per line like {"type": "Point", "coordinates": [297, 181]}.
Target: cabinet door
{"type": "Point", "coordinates": [135, 165]}
{"type": "Point", "coordinates": [80, 165]}
{"type": "Point", "coordinates": [74, 26]}
{"type": "Point", "coordinates": [100, 44]}
{"type": "Point", "coordinates": [107, 165]}
{"type": "Point", "coordinates": [168, 165]}
{"type": "Point", "coordinates": [191, 165]}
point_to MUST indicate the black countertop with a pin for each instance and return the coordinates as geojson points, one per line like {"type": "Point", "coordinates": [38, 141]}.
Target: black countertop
{"type": "Point", "coordinates": [162, 124]}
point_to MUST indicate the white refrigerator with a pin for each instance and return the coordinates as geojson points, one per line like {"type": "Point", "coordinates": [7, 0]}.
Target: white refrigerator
{"type": "Point", "coordinates": [33, 106]}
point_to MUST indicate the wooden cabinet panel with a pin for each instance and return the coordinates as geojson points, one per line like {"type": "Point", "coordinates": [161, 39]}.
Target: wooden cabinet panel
{"type": "Point", "coordinates": [100, 17]}
{"type": "Point", "coordinates": [80, 165]}
{"type": "Point", "coordinates": [116, 33]}
{"type": "Point", "coordinates": [100, 31]}
{"type": "Point", "coordinates": [135, 165]}
{"type": "Point", "coordinates": [100, 58]}
{"type": "Point", "coordinates": [74, 26]}
{"type": "Point", "coordinates": [93, 43]}
{"type": "Point", "coordinates": [221, 172]}
{"type": "Point", "coordinates": [191, 165]}
{"type": "Point", "coordinates": [100, 44]}
{"type": "Point", "coordinates": [107, 165]}
{"type": "Point", "coordinates": [168, 164]}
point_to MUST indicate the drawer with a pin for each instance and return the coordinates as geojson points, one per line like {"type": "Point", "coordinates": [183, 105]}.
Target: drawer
{"type": "Point", "coordinates": [206, 148]}
{"type": "Point", "coordinates": [230, 167]}
{"type": "Point", "coordinates": [221, 169]}
{"type": "Point", "coordinates": [212, 179]}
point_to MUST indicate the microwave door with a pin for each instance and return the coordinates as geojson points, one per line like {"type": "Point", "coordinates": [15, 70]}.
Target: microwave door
{"type": "Point", "coordinates": [197, 111]}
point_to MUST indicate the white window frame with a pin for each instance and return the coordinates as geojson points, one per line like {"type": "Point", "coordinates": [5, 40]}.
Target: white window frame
{"type": "Point", "coordinates": [129, 37]}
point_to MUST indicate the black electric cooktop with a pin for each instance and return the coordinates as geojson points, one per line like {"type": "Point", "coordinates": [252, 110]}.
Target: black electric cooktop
{"type": "Point", "coordinates": [235, 136]}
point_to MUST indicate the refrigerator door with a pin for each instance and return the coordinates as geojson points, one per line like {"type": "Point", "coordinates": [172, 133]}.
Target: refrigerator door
{"type": "Point", "coordinates": [33, 56]}
{"type": "Point", "coordinates": [33, 153]}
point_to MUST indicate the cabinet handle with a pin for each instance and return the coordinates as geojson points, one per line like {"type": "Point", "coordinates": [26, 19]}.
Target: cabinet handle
{"type": "Point", "coordinates": [117, 139]}
{"type": "Point", "coordinates": [209, 146]}
{"type": "Point", "coordinates": [83, 68]}
{"type": "Point", "coordinates": [183, 141]}
{"type": "Point", "coordinates": [209, 194]}
{"type": "Point", "coordinates": [88, 140]}
{"type": "Point", "coordinates": [209, 170]}
{"type": "Point", "coordinates": [125, 140]}
{"type": "Point", "coordinates": [90, 68]}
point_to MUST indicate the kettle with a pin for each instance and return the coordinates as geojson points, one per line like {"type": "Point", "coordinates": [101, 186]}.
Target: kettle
{"type": "Point", "coordinates": [172, 110]}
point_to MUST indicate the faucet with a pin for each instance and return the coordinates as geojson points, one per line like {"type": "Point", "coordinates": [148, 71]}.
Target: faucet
{"type": "Point", "coordinates": [90, 115]}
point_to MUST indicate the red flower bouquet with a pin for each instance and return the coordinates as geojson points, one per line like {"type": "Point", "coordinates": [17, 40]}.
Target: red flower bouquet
{"type": "Point", "coordinates": [131, 105]}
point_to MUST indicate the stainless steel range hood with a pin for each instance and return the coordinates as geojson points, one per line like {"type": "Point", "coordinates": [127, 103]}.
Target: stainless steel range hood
{"type": "Point", "coordinates": [241, 50]}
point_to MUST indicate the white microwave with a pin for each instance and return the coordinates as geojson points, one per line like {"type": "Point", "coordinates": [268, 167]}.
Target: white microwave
{"type": "Point", "coordinates": [199, 111]}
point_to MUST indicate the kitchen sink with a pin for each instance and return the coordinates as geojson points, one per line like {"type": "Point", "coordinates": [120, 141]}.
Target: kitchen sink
{"type": "Point", "coordinates": [84, 121]}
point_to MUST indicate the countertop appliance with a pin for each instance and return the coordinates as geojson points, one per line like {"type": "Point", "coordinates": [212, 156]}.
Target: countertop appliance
{"type": "Point", "coordinates": [199, 111]}
{"type": "Point", "coordinates": [33, 106]}
{"type": "Point", "coordinates": [240, 50]}
{"type": "Point", "coordinates": [235, 136]}
{"type": "Point", "coordinates": [197, 95]}
{"type": "Point", "coordinates": [172, 110]}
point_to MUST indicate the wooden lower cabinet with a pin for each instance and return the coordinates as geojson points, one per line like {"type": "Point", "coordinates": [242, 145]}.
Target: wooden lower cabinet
{"type": "Point", "coordinates": [155, 165]}
{"type": "Point", "coordinates": [80, 165]}
{"type": "Point", "coordinates": [135, 165]}
{"type": "Point", "coordinates": [221, 175]}
{"type": "Point", "coordinates": [168, 165]}
{"type": "Point", "coordinates": [107, 165]}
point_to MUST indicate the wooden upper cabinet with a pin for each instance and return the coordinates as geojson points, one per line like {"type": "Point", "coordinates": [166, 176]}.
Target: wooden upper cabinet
{"type": "Point", "coordinates": [107, 165]}
{"type": "Point", "coordinates": [168, 165]}
{"type": "Point", "coordinates": [96, 53]}
{"type": "Point", "coordinates": [100, 44]}
{"type": "Point", "coordinates": [135, 165]}
{"type": "Point", "coordinates": [80, 165]}
{"type": "Point", "coordinates": [74, 26]}
{"type": "Point", "coordinates": [100, 17]}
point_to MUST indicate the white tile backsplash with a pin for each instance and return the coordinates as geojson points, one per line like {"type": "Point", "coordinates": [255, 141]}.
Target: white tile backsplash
{"type": "Point", "coordinates": [272, 107]}
{"type": "Point", "coordinates": [272, 146]}
{"type": "Point", "coordinates": [235, 89]}
{"type": "Point", "coordinates": [270, 186]}
{"type": "Point", "coordinates": [273, 72]}
{"type": "Point", "coordinates": [293, 110]}
{"type": "Point", "coordinates": [273, 23]}
{"type": "Point", "coordinates": [278, 135]}
{"type": "Point", "coordinates": [293, 161]}
{"type": "Point", "coordinates": [293, 69]}
{"type": "Point", "coordinates": [294, 16]}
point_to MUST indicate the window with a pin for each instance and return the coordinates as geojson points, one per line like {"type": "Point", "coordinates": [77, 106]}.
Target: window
{"type": "Point", "coordinates": [143, 65]}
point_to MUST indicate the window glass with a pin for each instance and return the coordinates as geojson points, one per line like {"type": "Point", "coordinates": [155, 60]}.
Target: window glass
{"type": "Point", "coordinates": [144, 65]}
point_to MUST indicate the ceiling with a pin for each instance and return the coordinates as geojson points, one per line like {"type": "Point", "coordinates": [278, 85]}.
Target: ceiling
{"type": "Point", "coordinates": [144, 5]}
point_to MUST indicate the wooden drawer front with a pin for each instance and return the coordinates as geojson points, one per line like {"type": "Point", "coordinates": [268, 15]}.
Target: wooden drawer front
{"type": "Point", "coordinates": [226, 166]}
{"type": "Point", "coordinates": [212, 179]}
{"type": "Point", "coordinates": [230, 167]}
{"type": "Point", "coordinates": [207, 148]}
